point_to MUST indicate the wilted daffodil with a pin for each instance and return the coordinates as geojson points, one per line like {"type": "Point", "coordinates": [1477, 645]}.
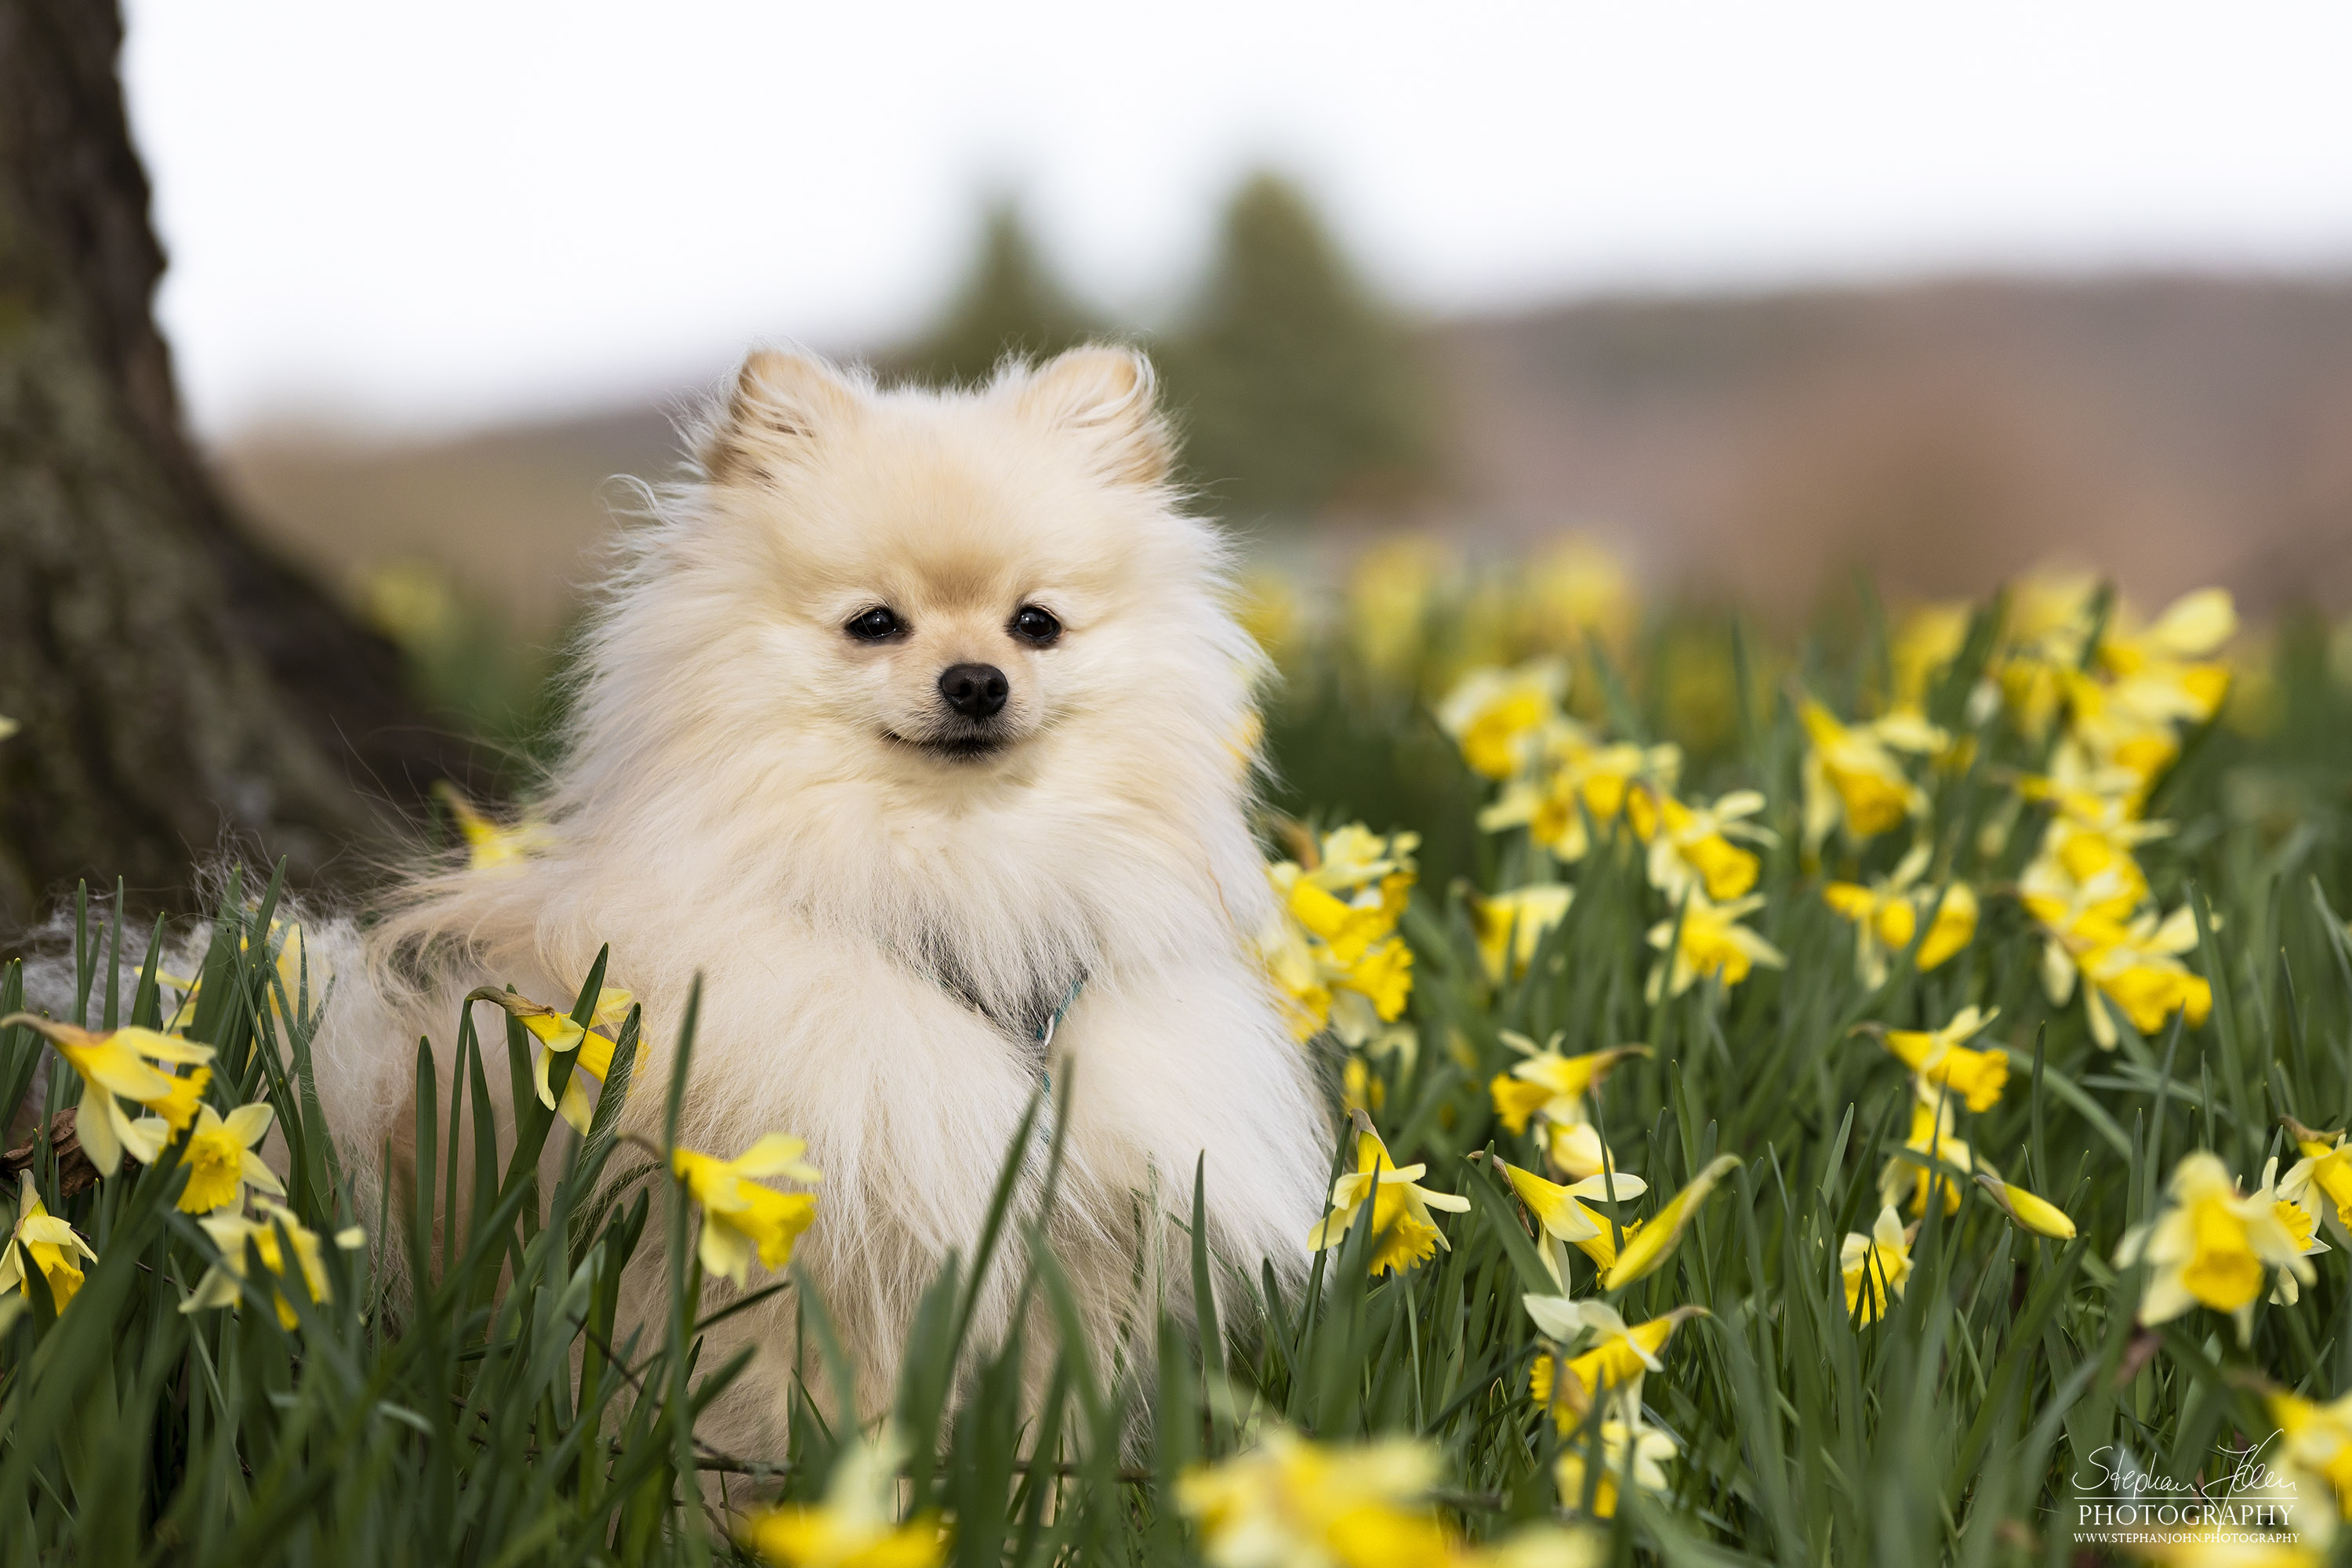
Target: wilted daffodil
{"type": "Point", "coordinates": [222, 1161]}
{"type": "Point", "coordinates": [54, 1244]}
{"type": "Point", "coordinates": [1403, 1234]}
{"type": "Point", "coordinates": [1623, 1444]}
{"type": "Point", "coordinates": [1694, 844]}
{"type": "Point", "coordinates": [2316, 1440]}
{"type": "Point", "coordinates": [233, 1233]}
{"type": "Point", "coordinates": [1498, 716]}
{"type": "Point", "coordinates": [1512, 925]}
{"type": "Point", "coordinates": [1853, 777]}
{"type": "Point", "coordinates": [856, 1526]}
{"type": "Point", "coordinates": [1651, 1244]}
{"type": "Point", "coordinates": [1941, 1061]}
{"type": "Point", "coordinates": [740, 1218]}
{"type": "Point", "coordinates": [121, 1062]}
{"type": "Point", "coordinates": [2211, 1245]}
{"type": "Point", "coordinates": [1708, 940]}
{"type": "Point", "coordinates": [2033, 1213]}
{"type": "Point", "coordinates": [1874, 1265]}
{"type": "Point", "coordinates": [1932, 1139]}
{"type": "Point", "coordinates": [1887, 912]}
{"type": "Point", "coordinates": [492, 845]}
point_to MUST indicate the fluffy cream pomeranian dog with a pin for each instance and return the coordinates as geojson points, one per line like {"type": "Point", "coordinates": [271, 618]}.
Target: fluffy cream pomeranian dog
{"type": "Point", "coordinates": [917, 726]}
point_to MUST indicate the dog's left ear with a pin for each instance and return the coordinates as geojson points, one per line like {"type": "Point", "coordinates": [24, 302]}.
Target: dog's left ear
{"type": "Point", "coordinates": [1105, 396]}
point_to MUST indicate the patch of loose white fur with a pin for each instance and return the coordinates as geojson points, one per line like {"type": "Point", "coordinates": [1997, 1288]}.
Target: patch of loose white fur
{"type": "Point", "coordinates": [747, 798]}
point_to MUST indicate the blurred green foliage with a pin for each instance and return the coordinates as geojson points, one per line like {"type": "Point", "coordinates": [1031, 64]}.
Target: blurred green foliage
{"type": "Point", "coordinates": [1297, 388]}
{"type": "Point", "coordinates": [1010, 303]}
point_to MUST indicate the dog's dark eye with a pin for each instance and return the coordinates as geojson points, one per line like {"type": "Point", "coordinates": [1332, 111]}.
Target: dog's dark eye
{"type": "Point", "coordinates": [875, 625]}
{"type": "Point", "coordinates": [1033, 624]}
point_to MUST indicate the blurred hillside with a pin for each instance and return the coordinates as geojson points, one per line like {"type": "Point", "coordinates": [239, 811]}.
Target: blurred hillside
{"type": "Point", "coordinates": [2174, 430]}
{"type": "Point", "coordinates": [2178, 430]}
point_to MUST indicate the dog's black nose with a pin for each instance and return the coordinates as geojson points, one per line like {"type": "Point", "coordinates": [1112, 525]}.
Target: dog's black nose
{"type": "Point", "coordinates": [974, 690]}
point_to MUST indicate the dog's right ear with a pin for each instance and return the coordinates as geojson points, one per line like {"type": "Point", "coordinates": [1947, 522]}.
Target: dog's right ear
{"type": "Point", "coordinates": [781, 402]}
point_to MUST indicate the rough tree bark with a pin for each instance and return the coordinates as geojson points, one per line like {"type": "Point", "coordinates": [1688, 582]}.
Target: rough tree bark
{"type": "Point", "coordinates": [178, 690]}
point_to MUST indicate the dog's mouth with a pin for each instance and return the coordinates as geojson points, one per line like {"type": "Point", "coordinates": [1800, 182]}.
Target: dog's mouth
{"type": "Point", "coordinates": [971, 746]}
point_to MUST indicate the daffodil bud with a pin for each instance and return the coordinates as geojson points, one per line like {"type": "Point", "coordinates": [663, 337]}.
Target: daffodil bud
{"type": "Point", "coordinates": [2038, 1214]}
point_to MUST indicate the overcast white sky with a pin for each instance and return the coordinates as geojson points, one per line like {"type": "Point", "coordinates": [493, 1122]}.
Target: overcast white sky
{"type": "Point", "coordinates": [445, 211]}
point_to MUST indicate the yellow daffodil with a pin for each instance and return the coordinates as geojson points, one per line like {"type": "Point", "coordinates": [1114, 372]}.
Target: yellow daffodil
{"type": "Point", "coordinates": [1390, 593]}
{"type": "Point", "coordinates": [232, 1234]}
{"type": "Point", "coordinates": [558, 1035]}
{"type": "Point", "coordinates": [2316, 1440]}
{"type": "Point", "coordinates": [1290, 1500]}
{"type": "Point", "coordinates": [119, 1062]}
{"type": "Point", "coordinates": [1710, 941]}
{"type": "Point", "coordinates": [2033, 1213]}
{"type": "Point", "coordinates": [1852, 778]}
{"type": "Point", "coordinates": [1694, 844]}
{"type": "Point", "coordinates": [1549, 1084]}
{"type": "Point", "coordinates": [222, 1161]}
{"type": "Point", "coordinates": [54, 1244]}
{"type": "Point", "coordinates": [1268, 606]}
{"type": "Point", "coordinates": [1578, 780]}
{"type": "Point", "coordinates": [2136, 968]}
{"type": "Point", "coordinates": [740, 1218]}
{"type": "Point", "coordinates": [492, 845]}
{"type": "Point", "coordinates": [1578, 587]}
{"type": "Point", "coordinates": [1874, 1265]}
{"type": "Point", "coordinates": [1403, 1234]}
{"type": "Point", "coordinates": [1651, 1244]}
{"type": "Point", "coordinates": [1331, 948]}
{"type": "Point", "coordinates": [1928, 639]}
{"type": "Point", "coordinates": [2321, 1182]}
{"type": "Point", "coordinates": [2211, 1246]}
{"type": "Point", "coordinates": [1512, 925]}
{"type": "Point", "coordinates": [856, 1525]}
{"type": "Point", "coordinates": [1498, 716]}
{"type": "Point", "coordinates": [1941, 1061]}
{"type": "Point", "coordinates": [301, 974]}
{"type": "Point", "coordinates": [1645, 1449]}
{"type": "Point", "coordinates": [1614, 1366]}
{"type": "Point", "coordinates": [1887, 912]}
{"type": "Point", "coordinates": [1932, 1139]}
{"type": "Point", "coordinates": [1359, 1088]}
{"type": "Point", "coordinates": [1560, 1215]}
{"type": "Point", "coordinates": [2301, 1227]}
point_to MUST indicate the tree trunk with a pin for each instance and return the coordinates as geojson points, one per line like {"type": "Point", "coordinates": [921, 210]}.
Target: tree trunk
{"type": "Point", "coordinates": [178, 691]}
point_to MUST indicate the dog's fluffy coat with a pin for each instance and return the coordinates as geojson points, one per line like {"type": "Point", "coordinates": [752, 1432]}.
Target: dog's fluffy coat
{"type": "Point", "coordinates": [756, 796]}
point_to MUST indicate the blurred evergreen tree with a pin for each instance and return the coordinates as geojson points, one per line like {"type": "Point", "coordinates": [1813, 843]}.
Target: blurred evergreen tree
{"type": "Point", "coordinates": [1297, 385]}
{"type": "Point", "coordinates": [1010, 302]}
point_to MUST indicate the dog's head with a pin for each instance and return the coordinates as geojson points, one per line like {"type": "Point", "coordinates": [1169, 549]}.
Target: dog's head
{"type": "Point", "coordinates": [933, 581]}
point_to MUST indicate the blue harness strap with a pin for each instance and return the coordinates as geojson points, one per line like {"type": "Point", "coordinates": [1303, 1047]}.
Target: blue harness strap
{"type": "Point", "coordinates": [1045, 1033]}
